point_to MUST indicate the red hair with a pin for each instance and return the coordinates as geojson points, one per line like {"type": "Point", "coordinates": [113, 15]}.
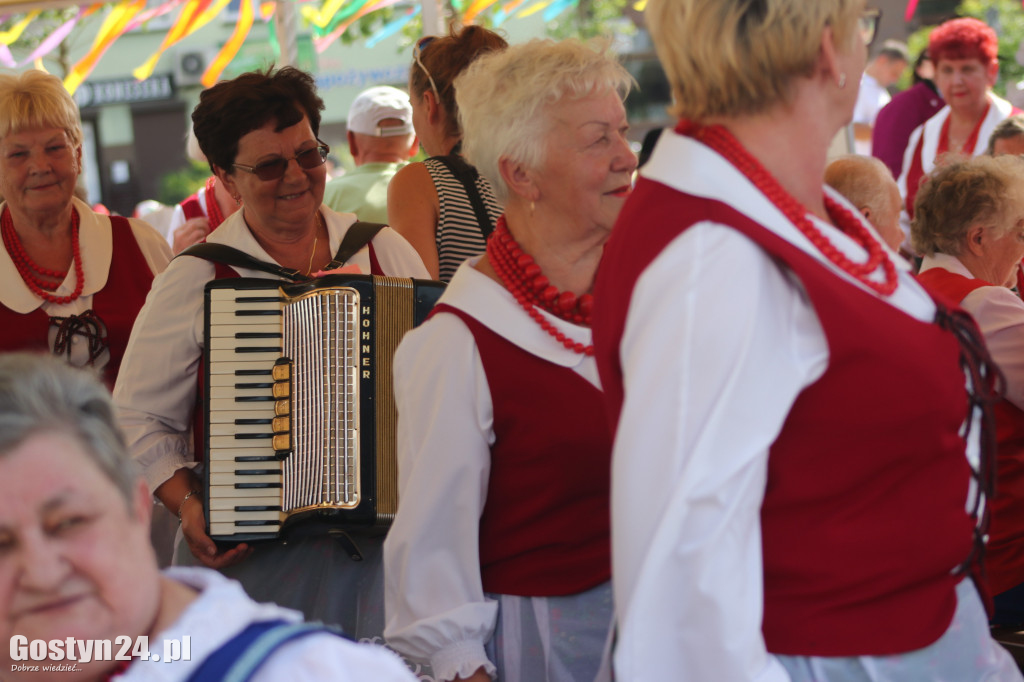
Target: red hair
{"type": "Point", "coordinates": [964, 38]}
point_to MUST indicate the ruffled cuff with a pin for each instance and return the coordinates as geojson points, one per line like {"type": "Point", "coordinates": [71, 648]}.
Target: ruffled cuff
{"type": "Point", "coordinates": [461, 659]}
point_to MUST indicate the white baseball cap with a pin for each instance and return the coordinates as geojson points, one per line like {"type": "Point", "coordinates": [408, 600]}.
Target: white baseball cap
{"type": "Point", "coordinates": [377, 104]}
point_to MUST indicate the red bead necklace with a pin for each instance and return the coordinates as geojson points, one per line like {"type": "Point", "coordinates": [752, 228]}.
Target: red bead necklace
{"type": "Point", "coordinates": [30, 271]}
{"type": "Point", "coordinates": [213, 213]}
{"type": "Point", "coordinates": [531, 289]}
{"type": "Point", "coordinates": [723, 142]}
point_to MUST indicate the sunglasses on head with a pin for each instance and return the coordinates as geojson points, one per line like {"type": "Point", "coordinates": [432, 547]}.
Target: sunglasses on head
{"type": "Point", "coordinates": [421, 45]}
{"type": "Point", "coordinates": [868, 25]}
{"type": "Point", "coordinates": [276, 168]}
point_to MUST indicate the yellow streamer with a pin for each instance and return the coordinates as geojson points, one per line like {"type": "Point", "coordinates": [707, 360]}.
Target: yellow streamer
{"type": "Point", "coordinates": [113, 26]}
{"type": "Point", "coordinates": [640, 6]}
{"type": "Point", "coordinates": [189, 14]}
{"type": "Point", "coordinates": [267, 10]}
{"type": "Point", "coordinates": [534, 8]}
{"type": "Point", "coordinates": [9, 36]}
{"type": "Point", "coordinates": [476, 8]}
{"type": "Point", "coordinates": [231, 47]}
{"type": "Point", "coordinates": [322, 18]}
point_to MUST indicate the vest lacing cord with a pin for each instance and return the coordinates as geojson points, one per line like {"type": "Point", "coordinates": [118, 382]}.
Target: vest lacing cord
{"type": "Point", "coordinates": [88, 325]}
{"type": "Point", "coordinates": [985, 386]}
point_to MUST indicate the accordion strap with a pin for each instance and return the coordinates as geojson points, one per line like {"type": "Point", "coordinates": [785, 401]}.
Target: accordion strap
{"type": "Point", "coordinates": [359, 235]}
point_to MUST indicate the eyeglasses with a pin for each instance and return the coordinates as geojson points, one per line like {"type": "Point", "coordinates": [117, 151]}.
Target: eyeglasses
{"type": "Point", "coordinates": [272, 170]}
{"type": "Point", "coordinates": [421, 45]}
{"type": "Point", "coordinates": [868, 25]}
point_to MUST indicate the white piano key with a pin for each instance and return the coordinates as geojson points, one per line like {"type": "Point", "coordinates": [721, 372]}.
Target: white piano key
{"type": "Point", "coordinates": [232, 479]}
{"type": "Point", "coordinates": [230, 466]}
{"type": "Point", "coordinates": [241, 494]}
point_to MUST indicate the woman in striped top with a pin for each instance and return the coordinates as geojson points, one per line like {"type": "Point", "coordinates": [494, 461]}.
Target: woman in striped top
{"type": "Point", "coordinates": [442, 205]}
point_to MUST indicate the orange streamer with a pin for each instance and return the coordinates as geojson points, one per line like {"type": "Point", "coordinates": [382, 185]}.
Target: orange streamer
{"type": "Point", "coordinates": [113, 26]}
{"type": "Point", "coordinates": [231, 47]}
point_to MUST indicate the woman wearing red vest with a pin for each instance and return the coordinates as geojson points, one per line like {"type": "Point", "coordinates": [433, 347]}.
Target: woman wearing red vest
{"type": "Point", "coordinates": [499, 558]}
{"type": "Point", "coordinates": [201, 213]}
{"type": "Point", "coordinates": [798, 469]}
{"type": "Point", "coordinates": [969, 226]}
{"type": "Point", "coordinates": [965, 52]}
{"type": "Point", "coordinates": [71, 280]}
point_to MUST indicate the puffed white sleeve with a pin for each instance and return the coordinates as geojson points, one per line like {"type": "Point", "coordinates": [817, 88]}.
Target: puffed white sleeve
{"type": "Point", "coordinates": [320, 657]}
{"type": "Point", "coordinates": [397, 257]}
{"type": "Point", "coordinates": [155, 394]}
{"type": "Point", "coordinates": [718, 343]}
{"type": "Point", "coordinates": [152, 244]}
{"type": "Point", "coordinates": [1000, 315]}
{"type": "Point", "coordinates": [434, 600]}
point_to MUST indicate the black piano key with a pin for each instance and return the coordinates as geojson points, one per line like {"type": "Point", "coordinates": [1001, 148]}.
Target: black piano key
{"type": "Point", "coordinates": [258, 299]}
{"type": "Point", "coordinates": [258, 335]}
{"type": "Point", "coordinates": [253, 422]}
{"type": "Point", "coordinates": [254, 398]}
{"type": "Point", "coordinates": [247, 486]}
{"type": "Point", "coordinates": [257, 472]}
{"type": "Point", "coordinates": [254, 372]}
{"type": "Point", "coordinates": [257, 523]}
{"type": "Point", "coordinates": [258, 349]}
{"type": "Point", "coordinates": [255, 458]}
{"type": "Point", "coordinates": [255, 385]}
{"type": "Point", "coordinates": [251, 508]}
{"type": "Point", "coordinates": [257, 313]}
{"type": "Point", "coordinates": [253, 436]}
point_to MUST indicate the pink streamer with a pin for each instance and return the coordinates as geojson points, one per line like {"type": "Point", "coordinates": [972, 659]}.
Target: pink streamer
{"type": "Point", "coordinates": [52, 40]}
{"type": "Point", "coordinates": [6, 58]}
{"type": "Point", "coordinates": [911, 7]}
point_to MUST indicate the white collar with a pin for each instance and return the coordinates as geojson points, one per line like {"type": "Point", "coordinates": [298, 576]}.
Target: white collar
{"type": "Point", "coordinates": [493, 306]}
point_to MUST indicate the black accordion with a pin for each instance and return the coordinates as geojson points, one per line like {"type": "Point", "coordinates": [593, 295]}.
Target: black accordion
{"type": "Point", "coordinates": [300, 418]}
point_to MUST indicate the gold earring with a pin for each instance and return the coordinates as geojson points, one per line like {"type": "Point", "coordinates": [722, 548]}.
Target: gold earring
{"type": "Point", "coordinates": [842, 81]}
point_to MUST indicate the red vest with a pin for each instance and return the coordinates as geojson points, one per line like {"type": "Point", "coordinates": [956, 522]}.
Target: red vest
{"type": "Point", "coordinates": [117, 304]}
{"type": "Point", "coordinates": [863, 520]}
{"type": "Point", "coordinates": [1004, 559]}
{"type": "Point", "coordinates": [545, 528]}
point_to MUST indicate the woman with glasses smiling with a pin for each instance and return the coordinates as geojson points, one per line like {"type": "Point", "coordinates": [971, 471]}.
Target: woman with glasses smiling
{"type": "Point", "coordinates": [443, 206]}
{"type": "Point", "coordinates": [259, 133]}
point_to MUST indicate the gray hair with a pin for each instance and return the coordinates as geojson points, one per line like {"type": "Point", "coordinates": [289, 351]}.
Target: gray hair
{"type": "Point", "coordinates": [42, 394]}
{"type": "Point", "coordinates": [502, 97]}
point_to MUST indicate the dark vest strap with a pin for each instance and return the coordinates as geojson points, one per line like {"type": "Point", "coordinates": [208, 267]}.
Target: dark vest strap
{"type": "Point", "coordinates": [240, 658]}
{"type": "Point", "coordinates": [467, 175]}
{"type": "Point", "coordinates": [358, 236]}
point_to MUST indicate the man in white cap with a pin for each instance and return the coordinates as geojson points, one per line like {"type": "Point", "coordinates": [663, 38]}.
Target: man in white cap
{"type": "Point", "coordinates": [382, 140]}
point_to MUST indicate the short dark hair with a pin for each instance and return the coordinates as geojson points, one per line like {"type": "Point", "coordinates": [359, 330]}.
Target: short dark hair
{"type": "Point", "coordinates": [895, 51]}
{"type": "Point", "coordinates": [231, 109]}
{"type": "Point", "coordinates": [1007, 129]}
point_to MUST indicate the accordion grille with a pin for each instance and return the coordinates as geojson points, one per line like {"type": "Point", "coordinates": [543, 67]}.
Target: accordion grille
{"type": "Point", "coordinates": [321, 336]}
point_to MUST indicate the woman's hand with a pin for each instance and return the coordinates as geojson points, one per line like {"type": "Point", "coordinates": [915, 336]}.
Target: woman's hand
{"type": "Point", "coordinates": [479, 676]}
{"type": "Point", "coordinates": [190, 232]}
{"type": "Point", "coordinates": [203, 548]}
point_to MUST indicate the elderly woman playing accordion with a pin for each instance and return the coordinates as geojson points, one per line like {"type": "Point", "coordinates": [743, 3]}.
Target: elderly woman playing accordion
{"type": "Point", "coordinates": [71, 280]}
{"type": "Point", "coordinates": [259, 132]}
{"type": "Point", "coordinates": [800, 458]}
{"type": "Point", "coordinates": [969, 226]}
{"type": "Point", "coordinates": [498, 561]}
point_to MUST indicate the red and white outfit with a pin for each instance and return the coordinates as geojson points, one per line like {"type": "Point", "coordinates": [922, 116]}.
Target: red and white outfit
{"type": "Point", "coordinates": [499, 555]}
{"type": "Point", "coordinates": [924, 146]}
{"type": "Point", "coordinates": [1000, 315]}
{"type": "Point", "coordinates": [119, 262]}
{"type": "Point", "coordinates": [762, 530]}
{"type": "Point", "coordinates": [156, 399]}
{"type": "Point", "coordinates": [195, 206]}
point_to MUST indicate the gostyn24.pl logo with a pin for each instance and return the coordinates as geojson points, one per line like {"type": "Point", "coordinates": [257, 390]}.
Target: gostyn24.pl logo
{"type": "Point", "coordinates": [86, 650]}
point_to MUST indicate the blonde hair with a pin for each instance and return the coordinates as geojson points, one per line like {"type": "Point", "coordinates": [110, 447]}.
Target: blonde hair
{"type": "Point", "coordinates": [35, 100]}
{"type": "Point", "coordinates": [503, 97]}
{"type": "Point", "coordinates": [740, 57]}
{"type": "Point", "coordinates": [962, 194]}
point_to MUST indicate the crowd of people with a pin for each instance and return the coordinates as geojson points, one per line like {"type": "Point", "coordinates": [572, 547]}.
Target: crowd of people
{"type": "Point", "coordinates": [747, 412]}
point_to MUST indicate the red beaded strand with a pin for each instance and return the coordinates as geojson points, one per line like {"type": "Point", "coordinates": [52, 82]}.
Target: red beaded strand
{"type": "Point", "coordinates": [30, 271]}
{"type": "Point", "coordinates": [213, 213]}
{"type": "Point", "coordinates": [531, 289]}
{"type": "Point", "coordinates": [723, 142]}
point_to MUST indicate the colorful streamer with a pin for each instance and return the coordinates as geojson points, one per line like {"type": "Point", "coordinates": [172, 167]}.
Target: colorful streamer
{"type": "Point", "coordinates": [194, 15]}
{"type": "Point", "coordinates": [393, 26]}
{"type": "Point", "coordinates": [53, 40]}
{"type": "Point", "coordinates": [506, 11]}
{"type": "Point", "coordinates": [113, 26]}
{"type": "Point", "coordinates": [231, 47]}
{"type": "Point", "coordinates": [322, 17]}
{"type": "Point", "coordinates": [533, 9]}
{"type": "Point", "coordinates": [154, 13]}
{"type": "Point", "coordinates": [475, 8]}
{"type": "Point", "coordinates": [321, 44]}
{"type": "Point", "coordinates": [346, 12]}
{"type": "Point", "coordinates": [911, 6]}
{"type": "Point", "coordinates": [14, 32]}
{"type": "Point", "coordinates": [557, 7]}
{"type": "Point", "coordinates": [640, 6]}
{"type": "Point", "coordinates": [6, 58]}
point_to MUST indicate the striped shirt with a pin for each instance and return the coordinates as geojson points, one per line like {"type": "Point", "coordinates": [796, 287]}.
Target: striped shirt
{"type": "Point", "coordinates": [458, 233]}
